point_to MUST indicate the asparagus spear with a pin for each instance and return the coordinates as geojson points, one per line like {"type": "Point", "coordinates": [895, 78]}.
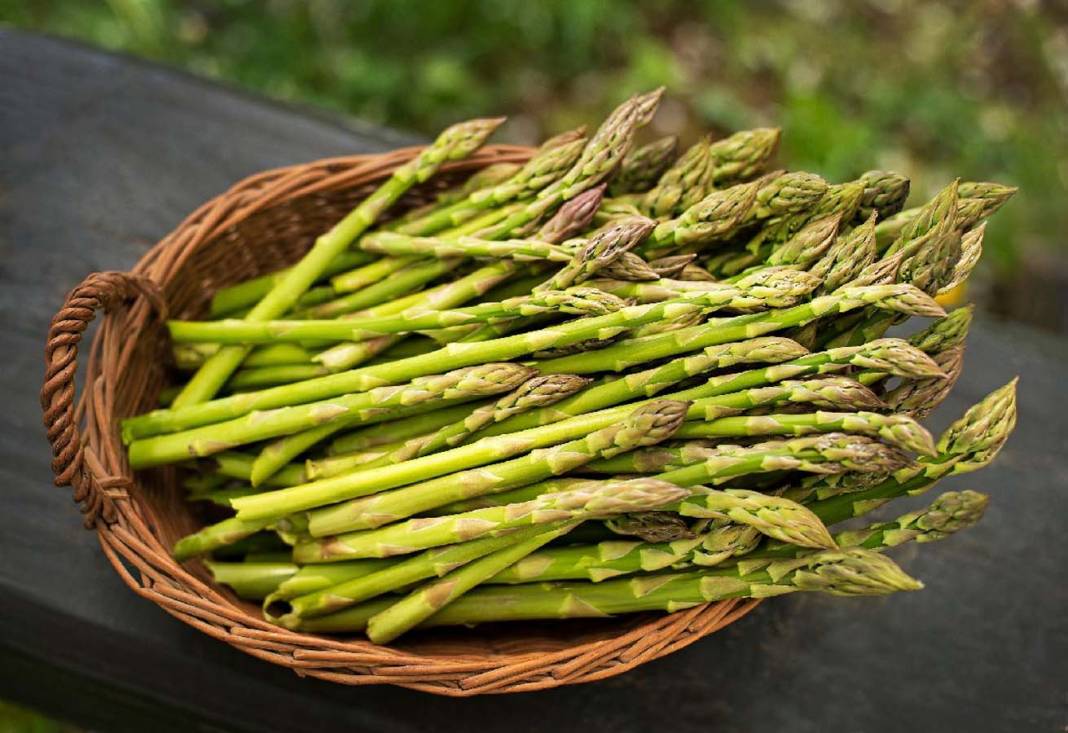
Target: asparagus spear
{"type": "Point", "coordinates": [554, 158]}
{"type": "Point", "coordinates": [598, 160]}
{"type": "Point", "coordinates": [838, 572]}
{"type": "Point", "coordinates": [627, 353]}
{"type": "Point", "coordinates": [645, 425]}
{"type": "Point", "coordinates": [884, 195]}
{"type": "Point", "coordinates": [251, 580]}
{"type": "Point", "coordinates": [604, 247]}
{"type": "Point", "coordinates": [424, 602]}
{"type": "Point", "coordinates": [642, 167]}
{"type": "Point", "coordinates": [670, 266]}
{"type": "Point", "coordinates": [398, 430]}
{"type": "Point", "coordinates": [539, 391]}
{"type": "Point", "coordinates": [950, 513]}
{"type": "Point", "coordinates": [967, 445]}
{"type": "Point", "coordinates": [742, 155]}
{"type": "Point", "coordinates": [248, 293]}
{"type": "Point", "coordinates": [818, 454]}
{"type": "Point", "coordinates": [786, 287]}
{"type": "Point", "coordinates": [629, 266]}
{"type": "Point", "coordinates": [455, 143]}
{"type": "Point", "coordinates": [372, 406]}
{"type": "Point", "coordinates": [487, 177]}
{"type": "Point", "coordinates": [847, 257]}
{"type": "Point", "coordinates": [571, 218]}
{"type": "Point", "coordinates": [713, 217]}
{"type": "Point", "coordinates": [651, 526]}
{"type": "Point", "coordinates": [988, 198]}
{"type": "Point", "coordinates": [589, 500]}
{"type": "Point", "coordinates": [289, 610]}
{"type": "Point", "coordinates": [893, 355]}
{"type": "Point", "coordinates": [687, 178]}
{"type": "Point", "coordinates": [392, 243]}
{"type": "Point", "coordinates": [829, 453]}
{"type": "Point", "coordinates": [919, 398]}
{"type": "Point", "coordinates": [898, 430]}
{"type": "Point", "coordinates": [573, 301]}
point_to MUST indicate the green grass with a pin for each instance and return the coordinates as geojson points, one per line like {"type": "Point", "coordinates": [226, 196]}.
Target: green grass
{"type": "Point", "coordinates": [14, 719]}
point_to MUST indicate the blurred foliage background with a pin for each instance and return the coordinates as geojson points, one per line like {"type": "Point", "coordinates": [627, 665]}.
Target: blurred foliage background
{"type": "Point", "coordinates": [970, 88]}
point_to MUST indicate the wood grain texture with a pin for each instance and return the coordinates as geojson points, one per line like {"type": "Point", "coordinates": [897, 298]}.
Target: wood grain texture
{"type": "Point", "coordinates": [102, 155]}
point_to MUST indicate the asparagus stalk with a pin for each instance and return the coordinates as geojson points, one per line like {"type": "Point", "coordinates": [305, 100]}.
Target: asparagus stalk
{"type": "Point", "coordinates": [950, 513]}
{"type": "Point", "coordinates": [670, 266]}
{"type": "Point", "coordinates": [589, 500]}
{"type": "Point", "coordinates": [539, 391]}
{"type": "Point", "coordinates": [248, 293]}
{"type": "Point", "coordinates": [487, 177]}
{"type": "Point", "coordinates": [645, 425]}
{"type": "Point", "coordinates": [375, 405]}
{"type": "Point", "coordinates": [851, 572]}
{"type": "Point", "coordinates": [604, 247]}
{"type": "Point", "coordinates": [424, 602]}
{"type": "Point", "coordinates": [554, 158]}
{"type": "Point", "coordinates": [786, 287]}
{"type": "Point", "coordinates": [884, 195]}
{"type": "Point", "coordinates": [573, 301]}
{"type": "Point", "coordinates": [900, 430]}
{"type": "Point", "coordinates": [455, 143]}
{"type": "Point", "coordinates": [398, 430]}
{"type": "Point", "coordinates": [642, 167]}
{"type": "Point", "coordinates": [629, 266]}
{"type": "Point", "coordinates": [598, 160]}
{"type": "Point", "coordinates": [651, 526]}
{"type": "Point", "coordinates": [847, 258]}
{"type": "Point", "coordinates": [886, 355]}
{"type": "Point", "coordinates": [919, 398]}
{"type": "Point", "coordinates": [627, 353]}
{"type": "Point", "coordinates": [290, 610]}
{"type": "Point", "coordinates": [742, 155]}
{"type": "Point", "coordinates": [392, 243]}
{"type": "Point", "coordinates": [967, 445]}
{"type": "Point", "coordinates": [739, 461]}
{"type": "Point", "coordinates": [251, 580]}
{"type": "Point", "coordinates": [679, 184]}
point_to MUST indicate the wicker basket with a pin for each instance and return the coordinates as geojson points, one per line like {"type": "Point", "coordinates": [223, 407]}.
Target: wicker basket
{"type": "Point", "coordinates": [261, 224]}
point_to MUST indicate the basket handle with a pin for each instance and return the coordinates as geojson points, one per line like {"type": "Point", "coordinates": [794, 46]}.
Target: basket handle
{"type": "Point", "coordinates": [100, 290]}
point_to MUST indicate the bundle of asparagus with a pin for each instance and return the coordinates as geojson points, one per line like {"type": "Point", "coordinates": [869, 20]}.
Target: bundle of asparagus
{"type": "Point", "coordinates": [607, 381]}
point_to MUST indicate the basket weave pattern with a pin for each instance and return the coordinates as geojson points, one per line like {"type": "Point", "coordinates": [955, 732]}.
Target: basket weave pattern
{"type": "Point", "coordinates": [261, 224]}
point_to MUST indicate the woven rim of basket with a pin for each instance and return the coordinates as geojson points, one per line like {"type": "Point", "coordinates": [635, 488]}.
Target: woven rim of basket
{"type": "Point", "coordinates": [128, 531]}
